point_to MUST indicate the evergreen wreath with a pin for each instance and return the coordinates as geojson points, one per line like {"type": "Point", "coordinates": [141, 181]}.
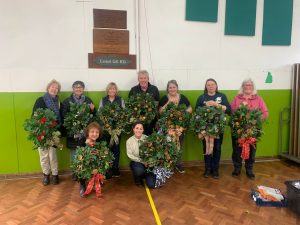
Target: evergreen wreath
{"type": "Point", "coordinates": [77, 119]}
{"type": "Point", "coordinates": [113, 119]}
{"type": "Point", "coordinates": [157, 150]}
{"type": "Point", "coordinates": [246, 123]}
{"type": "Point", "coordinates": [208, 120]}
{"type": "Point", "coordinates": [42, 129]}
{"type": "Point", "coordinates": [174, 117]}
{"type": "Point", "coordinates": [246, 127]}
{"type": "Point", "coordinates": [140, 107]}
{"type": "Point", "coordinates": [91, 160]}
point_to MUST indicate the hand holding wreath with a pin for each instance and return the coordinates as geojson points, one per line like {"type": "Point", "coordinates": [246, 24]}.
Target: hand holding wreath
{"type": "Point", "coordinates": [246, 125]}
{"type": "Point", "coordinates": [208, 122]}
{"type": "Point", "coordinates": [42, 129]}
{"type": "Point", "coordinates": [77, 119]}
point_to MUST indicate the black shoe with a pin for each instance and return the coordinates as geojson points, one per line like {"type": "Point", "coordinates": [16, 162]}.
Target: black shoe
{"type": "Point", "coordinates": [82, 189]}
{"type": "Point", "coordinates": [236, 173]}
{"type": "Point", "coordinates": [250, 175]}
{"type": "Point", "coordinates": [55, 179]}
{"type": "Point", "coordinates": [46, 180]}
{"type": "Point", "coordinates": [206, 173]}
{"type": "Point", "coordinates": [74, 177]}
{"type": "Point", "coordinates": [180, 168]}
{"type": "Point", "coordinates": [116, 172]}
{"type": "Point", "coordinates": [215, 174]}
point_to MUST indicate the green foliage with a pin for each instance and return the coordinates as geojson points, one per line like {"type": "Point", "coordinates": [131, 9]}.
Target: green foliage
{"type": "Point", "coordinates": [77, 120]}
{"type": "Point", "coordinates": [91, 160]}
{"type": "Point", "coordinates": [208, 120]}
{"type": "Point", "coordinates": [246, 123]}
{"type": "Point", "coordinates": [174, 116]}
{"type": "Point", "coordinates": [113, 119]}
{"type": "Point", "coordinates": [158, 150]}
{"type": "Point", "coordinates": [140, 107]}
{"type": "Point", "coordinates": [42, 129]}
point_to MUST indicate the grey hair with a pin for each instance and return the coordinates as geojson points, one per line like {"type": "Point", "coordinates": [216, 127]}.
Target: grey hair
{"type": "Point", "coordinates": [241, 91]}
{"type": "Point", "coordinates": [144, 72]}
{"type": "Point", "coordinates": [172, 82]}
{"type": "Point", "coordinates": [53, 82]}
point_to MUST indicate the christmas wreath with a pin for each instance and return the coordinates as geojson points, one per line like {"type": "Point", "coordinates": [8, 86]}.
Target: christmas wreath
{"type": "Point", "coordinates": [42, 129]}
{"type": "Point", "coordinates": [157, 150]}
{"type": "Point", "coordinates": [140, 107]}
{"type": "Point", "coordinates": [208, 122]}
{"type": "Point", "coordinates": [91, 163]}
{"type": "Point", "coordinates": [113, 119]}
{"type": "Point", "coordinates": [77, 119]}
{"type": "Point", "coordinates": [246, 125]}
{"type": "Point", "coordinates": [174, 117]}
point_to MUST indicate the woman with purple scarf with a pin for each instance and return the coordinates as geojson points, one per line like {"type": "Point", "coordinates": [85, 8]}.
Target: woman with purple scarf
{"type": "Point", "coordinates": [48, 158]}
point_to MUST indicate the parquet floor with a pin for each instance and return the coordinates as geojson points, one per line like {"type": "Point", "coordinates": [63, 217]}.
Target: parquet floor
{"type": "Point", "coordinates": [186, 199]}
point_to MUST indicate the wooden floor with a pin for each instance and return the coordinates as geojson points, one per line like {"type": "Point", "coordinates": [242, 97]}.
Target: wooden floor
{"type": "Point", "coordinates": [185, 199]}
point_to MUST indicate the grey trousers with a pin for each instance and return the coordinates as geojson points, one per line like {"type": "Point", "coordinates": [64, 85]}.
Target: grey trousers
{"type": "Point", "coordinates": [48, 160]}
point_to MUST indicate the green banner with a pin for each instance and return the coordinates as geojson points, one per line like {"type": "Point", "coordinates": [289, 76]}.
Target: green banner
{"type": "Point", "coordinates": [240, 17]}
{"type": "Point", "coordinates": [277, 25]}
{"type": "Point", "coordinates": [202, 10]}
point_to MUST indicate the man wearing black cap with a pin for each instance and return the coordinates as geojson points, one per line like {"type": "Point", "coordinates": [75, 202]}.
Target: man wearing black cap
{"type": "Point", "coordinates": [76, 97]}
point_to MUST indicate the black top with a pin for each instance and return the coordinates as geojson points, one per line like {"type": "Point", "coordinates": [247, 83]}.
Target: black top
{"type": "Point", "coordinates": [153, 90]}
{"type": "Point", "coordinates": [40, 104]}
{"type": "Point", "coordinates": [218, 97]}
{"type": "Point", "coordinates": [71, 142]}
{"type": "Point", "coordinates": [182, 100]}
{"type": "Point", "coordinates": [105, 100]}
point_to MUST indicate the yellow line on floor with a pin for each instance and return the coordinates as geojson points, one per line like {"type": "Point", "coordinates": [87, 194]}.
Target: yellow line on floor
{"type": "Point", "coordinates": [153, 206]}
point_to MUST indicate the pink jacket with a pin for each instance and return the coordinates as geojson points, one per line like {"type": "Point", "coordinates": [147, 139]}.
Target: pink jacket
{"type": "Point", "coordinates": [255, 102]}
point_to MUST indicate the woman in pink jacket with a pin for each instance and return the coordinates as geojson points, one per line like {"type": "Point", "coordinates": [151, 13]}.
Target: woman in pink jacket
{"type": "Point", "coordinates": [247, 96]}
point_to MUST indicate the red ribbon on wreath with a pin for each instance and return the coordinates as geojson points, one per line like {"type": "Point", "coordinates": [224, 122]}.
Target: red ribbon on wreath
{"type": "Point", "coordinates": [245, 144]}
{"type": "Point", "coordinates": [97, 179]}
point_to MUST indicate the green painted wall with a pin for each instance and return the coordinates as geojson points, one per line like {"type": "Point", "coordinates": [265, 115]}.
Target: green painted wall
{"type": "Point", "coordinates": [17, 155]}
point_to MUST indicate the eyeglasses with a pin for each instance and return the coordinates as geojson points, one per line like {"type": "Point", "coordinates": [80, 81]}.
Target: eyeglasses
{"type": "Point", "coordinates": [78, 87]}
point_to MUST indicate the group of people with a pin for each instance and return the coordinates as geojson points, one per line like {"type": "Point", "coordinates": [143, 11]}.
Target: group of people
{"type": "Point", "coordinates": [211, 97]}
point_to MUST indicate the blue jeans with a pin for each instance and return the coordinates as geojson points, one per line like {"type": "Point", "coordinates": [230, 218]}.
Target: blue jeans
{"type": "Point", "coordinates": [139, 173]}
{"type": "Point", "coordinates": [212, 161]}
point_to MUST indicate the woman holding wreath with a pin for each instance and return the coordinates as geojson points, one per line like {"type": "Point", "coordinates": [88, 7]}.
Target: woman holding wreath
{"type": "Point", "coordinates": [175, 97]}
{"type": "Point", "coordinates": [212, 97]}
{"type": "Point", "coordinates": [112, 97]}
{"type": "Point", "coordinates": [76, 97]}
{"type": "Point", "coordinates": [248, 97]}
{"type": "Point", "coordinates": [137, 167]}
{"type": "Point", "coordinates": [48, 158]}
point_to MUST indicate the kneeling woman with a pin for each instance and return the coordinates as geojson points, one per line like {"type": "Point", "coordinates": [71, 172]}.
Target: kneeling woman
{"type": "Point", "coordinates": [92, 133]}
{"type": "Point", "coordinates": [136, 165]}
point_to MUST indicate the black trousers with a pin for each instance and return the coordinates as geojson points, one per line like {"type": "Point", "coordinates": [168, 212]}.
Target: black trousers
{"type": "Point", "coordinates": [236, 156]}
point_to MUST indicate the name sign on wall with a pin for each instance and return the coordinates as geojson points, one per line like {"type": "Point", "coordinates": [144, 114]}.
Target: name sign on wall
{"type": "Point", "coordinates": [111, 41]}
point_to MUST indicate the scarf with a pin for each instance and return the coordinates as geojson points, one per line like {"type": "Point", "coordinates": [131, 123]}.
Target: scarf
{"type": "Point", "coordinates": [53, 104]}
{"type": "Point", "coordinates": [79, 100]}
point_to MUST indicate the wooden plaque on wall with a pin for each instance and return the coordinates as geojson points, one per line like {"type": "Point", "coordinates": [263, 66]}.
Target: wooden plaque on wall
{"type": "Point", "coordinates": [111, 61]}
{"type": "Point", "coordinates": [111, 41]}
{"type": "Point", "coordinates": [105, 18]}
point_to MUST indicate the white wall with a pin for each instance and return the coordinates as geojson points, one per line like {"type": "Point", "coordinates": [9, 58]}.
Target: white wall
{"type": "Point", "coordinates": [41, 40]}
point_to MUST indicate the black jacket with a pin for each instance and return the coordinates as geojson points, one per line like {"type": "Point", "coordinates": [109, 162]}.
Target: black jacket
{"type": "Point", "coordinates": [153, 90]}
{"type": "Point", "coordinates": [71, 142]}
